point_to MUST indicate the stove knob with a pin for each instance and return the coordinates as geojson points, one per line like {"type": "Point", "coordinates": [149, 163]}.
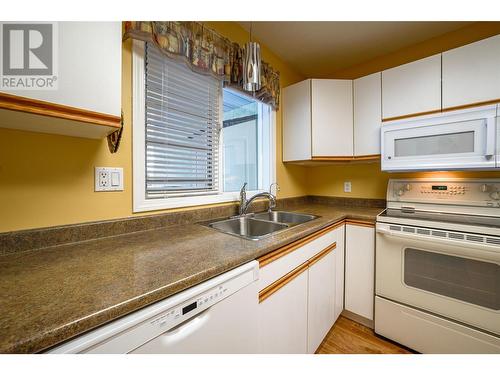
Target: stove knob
{"type": "Point", "coordinates": [407, 187]}
{"type": "Point", "coordinates": [400, 192]}
{"type": "Point", "coordinates": [495, 195]}
{"type": "Point", "coordinates": [484, 188]}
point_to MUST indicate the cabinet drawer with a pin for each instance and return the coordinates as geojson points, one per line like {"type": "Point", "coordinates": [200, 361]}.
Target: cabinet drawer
{"type": "Point", "coordinates": [272, 271]}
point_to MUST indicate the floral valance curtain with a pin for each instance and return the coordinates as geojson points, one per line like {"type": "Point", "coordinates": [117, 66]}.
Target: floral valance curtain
{"type": "Point", "coordinates": [205, 52]}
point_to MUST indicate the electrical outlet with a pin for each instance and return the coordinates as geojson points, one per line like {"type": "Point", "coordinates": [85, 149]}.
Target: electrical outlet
{"type": "Point", "coordinates": [108, 179]}
{"type": "Point", "coordinates": [347, 186]}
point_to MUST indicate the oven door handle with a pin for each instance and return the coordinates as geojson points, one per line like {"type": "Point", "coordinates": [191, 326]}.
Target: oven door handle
{"type": "Point", "coordinates": [495, 251]}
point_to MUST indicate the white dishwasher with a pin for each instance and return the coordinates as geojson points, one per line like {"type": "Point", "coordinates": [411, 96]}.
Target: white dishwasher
{"type": "Point", "coordinates": [216, 316]}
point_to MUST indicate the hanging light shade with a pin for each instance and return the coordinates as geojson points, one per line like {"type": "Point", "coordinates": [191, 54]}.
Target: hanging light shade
{"type": "Point", "coordinates": [251, 67]}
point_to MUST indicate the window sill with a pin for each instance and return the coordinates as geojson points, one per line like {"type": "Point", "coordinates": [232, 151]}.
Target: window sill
{"type": "Point", "coordinates": [144, 205]}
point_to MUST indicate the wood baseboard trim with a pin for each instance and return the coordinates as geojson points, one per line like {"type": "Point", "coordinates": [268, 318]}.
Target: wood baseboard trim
{"type": "Point", "coordinates": [287, 249]}
{"type": "Point", "coordinates": [447, 109]}
{"type": "Point", "coordinates": [358, 319]}
{"type": "Point", "coordinates": [39, 107]}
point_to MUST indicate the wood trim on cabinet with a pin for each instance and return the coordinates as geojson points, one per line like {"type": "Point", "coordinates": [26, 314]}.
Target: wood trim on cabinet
{"type": "Point", "coordinates": [477, 104]}
{"type": "Point", "coordinates": [43, 108]}
{"type": "Point", "coordinates": [322, 254]}
{"type": "Point", "coordinates": [411, 115]}
{"type": "Point", "coordinates": [346, 158]}
{"type": "Point", "coordinates": [287, 249]}
{"type": "Point", "coordinates": [360, 223]}
{"type": "Point", "coordinates": [447, 109]}
{"type": "Point", "coordinates": [281, 282]}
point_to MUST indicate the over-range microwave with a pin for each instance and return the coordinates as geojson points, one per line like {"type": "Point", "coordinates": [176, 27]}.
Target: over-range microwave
{"type": "Point", "coordinates": [455, 140]}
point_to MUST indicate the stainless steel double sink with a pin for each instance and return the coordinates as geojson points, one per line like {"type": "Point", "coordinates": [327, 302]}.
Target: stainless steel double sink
{"type": "Point", "coordinates": [260, 225]}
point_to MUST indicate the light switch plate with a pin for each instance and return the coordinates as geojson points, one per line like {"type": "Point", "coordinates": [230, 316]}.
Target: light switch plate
{"type": "Point", "coordinates": [108, 179]}
{"type": "Point", "coordinates": [347, 186]}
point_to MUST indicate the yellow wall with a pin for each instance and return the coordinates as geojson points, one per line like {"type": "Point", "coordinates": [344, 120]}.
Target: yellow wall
{"type": "Point", "coordinates": [48, 180]}
{"type": "Point", "coordinates": [368, 181]}
{"type": "Point", "coordinates": [453, 39]}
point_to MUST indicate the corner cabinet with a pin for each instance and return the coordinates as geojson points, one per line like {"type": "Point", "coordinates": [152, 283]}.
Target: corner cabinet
{"type": "Point", "coordinates": [471, 74]}
{"type": "Point", "coordinates": [331, 118]}
{"type": "Point", "coordinates": [412, 89]}
{"type": "Point", "coordinates": [319, 121]}
{"type": "Point", "coordinates": [87, 100]}
{"type": "Point", "coordinates": [360, 270]}
{"type": "Point", "coordinates": [298, 298]}
{"type": "Point", "coordinates": [367, 115]}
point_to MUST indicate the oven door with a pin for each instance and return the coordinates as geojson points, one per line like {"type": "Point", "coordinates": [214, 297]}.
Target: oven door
{"type": "Point", "coordinates": [457, 142]}
{"type": "Point", "coordinates": [453, 278]}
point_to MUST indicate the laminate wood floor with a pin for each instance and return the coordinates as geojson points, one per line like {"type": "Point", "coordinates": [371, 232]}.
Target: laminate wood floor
{"type": "Point", "coordinates": [349, 337]}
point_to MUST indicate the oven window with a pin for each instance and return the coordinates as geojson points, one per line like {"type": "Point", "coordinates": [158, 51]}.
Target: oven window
{"type": "Point", "coordinates": [451, 143]}
{"type": "Point", "coordinates": [464, 279]}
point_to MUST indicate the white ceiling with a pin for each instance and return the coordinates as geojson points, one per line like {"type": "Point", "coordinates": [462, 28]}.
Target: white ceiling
{"type": "Point", "coordinates": [318, 49]}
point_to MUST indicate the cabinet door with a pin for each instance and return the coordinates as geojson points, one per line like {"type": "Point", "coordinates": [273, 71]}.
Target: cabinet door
{"type": "Point", "coordinates": [339, 272]}
{"type": "Point", "coordinates": [321, 303]}
{"type": "Point", "coordinates": [359, 270]}
{"type": "Point", "coordinates": [471, 73]}
{"type": "Point", "coordinates": [332, 117]}
{"type": "Point", "coordinates": [89, 61]}
{"type": "Point", "coordinates": [412, 88]}
{"type": "Point", "coordinates": [297, 121]}
{"type": "Point", "coordinates": [367, 114]}
{"type": "Point", "coordinates": [283, 319]}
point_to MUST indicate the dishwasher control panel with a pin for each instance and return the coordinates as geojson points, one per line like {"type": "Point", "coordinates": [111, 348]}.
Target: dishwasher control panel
{"type": "Point", "coordinates": [192, 307]}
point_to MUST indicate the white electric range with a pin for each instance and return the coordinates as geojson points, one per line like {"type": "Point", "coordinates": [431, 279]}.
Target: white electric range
{"type": "Point", "coordinates": [438, 265]}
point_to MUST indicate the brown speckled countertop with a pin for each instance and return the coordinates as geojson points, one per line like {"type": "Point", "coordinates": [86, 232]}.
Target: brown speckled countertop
{"type": "Point", "coordinates": [52, 294]}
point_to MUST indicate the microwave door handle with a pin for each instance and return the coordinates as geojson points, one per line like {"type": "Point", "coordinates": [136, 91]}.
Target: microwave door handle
{"type": "Point", "coordinates": [490, 137]}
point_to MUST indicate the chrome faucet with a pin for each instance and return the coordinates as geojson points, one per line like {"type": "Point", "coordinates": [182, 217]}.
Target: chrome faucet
{"type": "Point", "coordinates": [244, 203]}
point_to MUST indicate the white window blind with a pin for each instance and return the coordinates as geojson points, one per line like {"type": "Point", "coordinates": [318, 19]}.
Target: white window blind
{"type": "Point", "coordinates": [182, 128]}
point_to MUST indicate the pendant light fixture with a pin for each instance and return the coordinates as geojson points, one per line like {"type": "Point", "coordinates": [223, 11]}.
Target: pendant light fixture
{"type": "Point", "coordinates": [251, 65]}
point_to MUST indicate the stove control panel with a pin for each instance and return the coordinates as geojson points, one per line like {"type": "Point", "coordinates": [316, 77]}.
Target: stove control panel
{"type": "Point", "coordinates": [466, 192]}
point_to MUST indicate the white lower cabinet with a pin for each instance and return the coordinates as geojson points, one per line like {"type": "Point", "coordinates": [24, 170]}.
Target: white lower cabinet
{"type": "Point", "coordinates": [321, 303]}
{"type": "Point", "coordinates": [339, 255]}
{"type": "Point", "coordinates": [359, 269]}
{"type": "Point", "coordinates": [302, 295]}
{"type": "Point", "coordinates": [283, 319]}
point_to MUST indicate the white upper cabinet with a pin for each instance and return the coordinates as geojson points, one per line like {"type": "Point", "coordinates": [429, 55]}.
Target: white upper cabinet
{"type": "Point", "coordinates": [471, 74]}
{"type": "Point", "coordinates": [87, 99]}
{"type": "Point", "coordinates": [89, 57]}
{"type": "Point", "coordinates": [332, 117]}
{"type": "Point", "coordinates": [412, 88]}
{"type": "Point", "coordinates": [317, 119]}
{"type": "Point", "coordinates": [297, 121]}
{"type": "Point", "coordinates": [367, 114]}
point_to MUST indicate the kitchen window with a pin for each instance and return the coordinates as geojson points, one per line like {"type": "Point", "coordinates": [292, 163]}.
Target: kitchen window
{"type": "Point", "coordinates": [194, 142]}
